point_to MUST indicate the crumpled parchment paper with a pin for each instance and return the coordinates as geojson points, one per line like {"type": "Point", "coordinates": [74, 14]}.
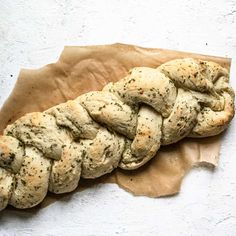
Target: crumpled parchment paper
{"type": "Point", "coordinates": [83, 69]}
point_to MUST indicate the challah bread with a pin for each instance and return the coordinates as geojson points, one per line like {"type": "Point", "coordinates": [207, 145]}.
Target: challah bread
{"type": "Point", "coordinates": [123, 126]}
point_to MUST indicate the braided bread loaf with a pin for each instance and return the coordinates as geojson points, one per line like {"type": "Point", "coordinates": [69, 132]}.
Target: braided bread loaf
{"type": "Point", "coordinates": [122, 125]}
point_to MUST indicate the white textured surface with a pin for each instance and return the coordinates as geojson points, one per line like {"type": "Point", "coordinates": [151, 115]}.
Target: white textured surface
{"type": "Point", "coordinates": [33, 33]}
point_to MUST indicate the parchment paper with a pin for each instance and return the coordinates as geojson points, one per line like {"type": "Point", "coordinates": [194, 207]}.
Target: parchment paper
{"type": "Point", "coordinates": [83, 69]}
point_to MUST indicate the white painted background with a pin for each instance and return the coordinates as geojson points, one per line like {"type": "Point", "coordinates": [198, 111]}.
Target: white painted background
{"type": "Point", "coordinates": [33, 33]}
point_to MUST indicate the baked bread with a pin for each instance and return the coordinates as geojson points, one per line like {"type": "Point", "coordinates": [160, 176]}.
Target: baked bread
{"type": "Point", "coordinates": [123, 126]}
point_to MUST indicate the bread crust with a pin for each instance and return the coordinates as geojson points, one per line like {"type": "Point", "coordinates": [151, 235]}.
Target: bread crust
{"type": "Point", "coordinates": [123, 125]}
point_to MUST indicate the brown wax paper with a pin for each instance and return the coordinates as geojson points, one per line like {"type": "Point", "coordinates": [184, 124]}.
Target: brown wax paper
{"type": "Point", "coordinates": [83, 69]}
